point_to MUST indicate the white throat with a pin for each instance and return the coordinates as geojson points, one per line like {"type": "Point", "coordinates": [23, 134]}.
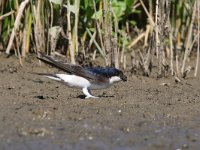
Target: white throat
{"type": "Point", "coordinates": [114, 79]}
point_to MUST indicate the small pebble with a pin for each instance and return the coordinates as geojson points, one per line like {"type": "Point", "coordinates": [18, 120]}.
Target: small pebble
{"type": "Point", "coordinates": [90, 138]}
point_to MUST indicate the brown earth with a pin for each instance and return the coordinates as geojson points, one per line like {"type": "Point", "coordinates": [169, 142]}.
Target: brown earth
{"type": "Point", "coordinates": [141, 114]}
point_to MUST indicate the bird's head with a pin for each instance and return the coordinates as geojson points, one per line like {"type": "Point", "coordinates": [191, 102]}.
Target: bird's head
{"type": "Point", "coordinates": [116, 75]}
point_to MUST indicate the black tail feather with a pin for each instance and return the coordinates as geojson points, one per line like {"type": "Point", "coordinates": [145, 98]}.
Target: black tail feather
{"type": "Point", "coordinates": [53, 63]}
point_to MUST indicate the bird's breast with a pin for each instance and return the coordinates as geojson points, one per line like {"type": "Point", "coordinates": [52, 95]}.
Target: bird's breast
{"type": "Point", "coordinates": [96, 86]}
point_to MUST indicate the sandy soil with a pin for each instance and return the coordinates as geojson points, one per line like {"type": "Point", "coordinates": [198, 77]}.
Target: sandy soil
{"type": "Point", "coordinates": [141, 114]}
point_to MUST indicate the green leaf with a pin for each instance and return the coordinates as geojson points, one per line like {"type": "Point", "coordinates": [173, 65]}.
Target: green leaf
{"type": "Point", "coordinates": [129, 3]}
{"type": "Point", "coordinates": [86, 3]}
{"type": "Point", "coordinates": [119, 8]}
{"type": "Point", "coordinates": [132, 22]}
{"type": "Point", "coordinates": [97, 15]}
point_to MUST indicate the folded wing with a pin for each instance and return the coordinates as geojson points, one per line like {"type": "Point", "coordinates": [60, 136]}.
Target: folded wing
{"type": "Point", "coordinates": [73, 69]}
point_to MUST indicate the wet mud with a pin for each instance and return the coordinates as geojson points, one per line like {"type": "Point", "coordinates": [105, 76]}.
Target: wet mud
{"type": "Point", "coordinates": [141, 114]}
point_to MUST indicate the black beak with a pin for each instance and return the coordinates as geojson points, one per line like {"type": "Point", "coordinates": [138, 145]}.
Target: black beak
{"type": "Point", "coordinates": [124, 78]}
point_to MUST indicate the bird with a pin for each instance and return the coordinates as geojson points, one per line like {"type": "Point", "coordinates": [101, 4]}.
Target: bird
{"type": "Point", "coordinates": [85, 78]}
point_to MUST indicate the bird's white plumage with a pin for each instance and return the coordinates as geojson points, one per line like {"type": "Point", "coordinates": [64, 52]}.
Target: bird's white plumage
{"type": "Point", "coordinates": [114, 79]}
{"type": "Point", "coordinates": [74, 81]}
{"type": "Point", "coordinates": [80, 82]}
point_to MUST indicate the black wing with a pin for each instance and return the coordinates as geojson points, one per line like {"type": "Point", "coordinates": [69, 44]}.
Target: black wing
{"type": "Point", "coordinates": [72, 69]}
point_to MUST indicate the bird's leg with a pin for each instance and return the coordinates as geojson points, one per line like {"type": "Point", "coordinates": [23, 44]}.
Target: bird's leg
{"type": "Point", "coordinates": [88, 93]}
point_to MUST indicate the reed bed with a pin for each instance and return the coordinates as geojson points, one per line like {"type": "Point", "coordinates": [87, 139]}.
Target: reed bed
{"type": "Point", "coordinates": [161, 33]}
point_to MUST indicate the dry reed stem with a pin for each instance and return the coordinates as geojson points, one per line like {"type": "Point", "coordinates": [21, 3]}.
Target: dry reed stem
{"type": "Point", "coordinates": [6, 15]}
{"type": "Point", "coordinates": [133, 61]}
{"type": "Point", "coordinates": [16, 24]}
{"type": "Point", "coordinates": [148, 14]}
{"type": "Point", "coordinates": [171, 46]}
{"type": "Point", "coordinates": [26, 33]}
{"type": "Point", "coordinates": [188, 39]}
{"type": "Point", "coordinates": [94, 55]}
{"type": "Point", "coordinates": [124, 64]}
{"type": "Point", "coordinates": [114, 41]}
{"type": "Point", "coordinates": [98, 28]}
{"type": "Point", "coordinates": [51, 13]}
{"type": "Point", "coordinates": [147, 32]}
{"type": "Point", "coordinates": [147, 61]}
{"type": "Point", "coordinates": [138, 38]}
{"type": "Point", "coordinates": [127, 27]}
{"type": "Point", "coordinates": [70, 34]}
{"type": "Point", "coordinates": [136, 5]}
{"type": "Point", "coordinates": [18, 52]}
{"type": "Point", "coordinates": [150, 7]}
{"type": "Point", "coordinates": [163, 17]}
{"type": "Point", "coordinates": [161, 37]}
{"type": "Point", "coordinates": [38, 27]}
{"type": "Point", "coordinates": [156, 28]}
{"type": "Point", "coordinates": [198, 39]}
{"type": "Point", "coordinates": [82, 46]}
{"type": "Point", "coordinates": [134, 41]}
{"type": "Point", "coordinates": [171, 53]}
{"type": "Point", "coordinates": [177, 66]}
{"type": "Point", "coordinates": [24, 43]}
{"type": "Point", "coordinates": [110, 26]}
{"type": "Point", "coordinates": [124, 35]}
{"type": "Point", "coordinates": [192, 44]}
{"type": "Point", "coordinates": [75, 29]}
{"type": "Point", "coordinates": [106, 27]}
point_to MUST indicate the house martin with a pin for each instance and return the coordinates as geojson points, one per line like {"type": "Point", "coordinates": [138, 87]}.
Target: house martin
{"type": "Point", "coordinates": [85, 78]}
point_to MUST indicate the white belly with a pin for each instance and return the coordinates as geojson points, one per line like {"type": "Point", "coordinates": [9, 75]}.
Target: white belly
{"type": "Point", "coordinates": [74, 81]}
{"type": "Point", "coordinates": [79, 82]}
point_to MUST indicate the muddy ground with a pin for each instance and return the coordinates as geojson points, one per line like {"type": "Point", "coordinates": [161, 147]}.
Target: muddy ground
{"type": "Point", "coordinates": [141, 114]}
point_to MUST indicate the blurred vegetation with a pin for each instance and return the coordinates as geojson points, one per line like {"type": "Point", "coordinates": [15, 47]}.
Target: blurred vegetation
{"type": "Point", "coordinates": [161, 33]}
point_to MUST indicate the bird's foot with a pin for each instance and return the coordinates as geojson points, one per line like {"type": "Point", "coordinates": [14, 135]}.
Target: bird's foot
{"type": "Point", "coordinates": [88, 94]}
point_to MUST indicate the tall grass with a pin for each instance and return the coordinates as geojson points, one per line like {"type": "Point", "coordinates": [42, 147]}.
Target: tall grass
{"type": "Point", "coordinates": [152, 33]}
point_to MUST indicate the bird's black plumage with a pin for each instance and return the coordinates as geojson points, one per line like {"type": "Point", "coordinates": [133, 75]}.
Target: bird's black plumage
{"type": "Point", "coordinates": [95, 74]}
{"type": "Point", "coordinates": [106, 71]}
{"type": "Point", "coordinates": [73, 69]}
